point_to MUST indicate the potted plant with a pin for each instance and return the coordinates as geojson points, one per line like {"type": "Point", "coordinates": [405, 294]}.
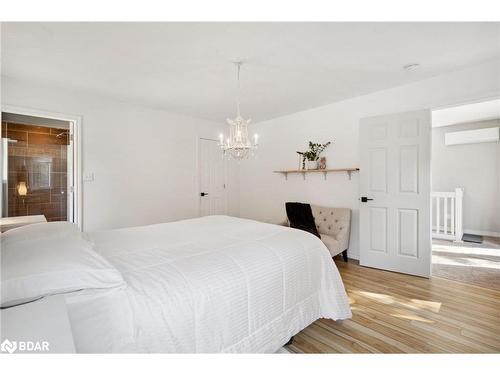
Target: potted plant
{"type": "Point", "coordinates": [311, 156]}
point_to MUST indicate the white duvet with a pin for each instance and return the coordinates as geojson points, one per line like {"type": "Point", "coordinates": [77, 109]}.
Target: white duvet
{"type": "Point", "coordinates": [213, 284]}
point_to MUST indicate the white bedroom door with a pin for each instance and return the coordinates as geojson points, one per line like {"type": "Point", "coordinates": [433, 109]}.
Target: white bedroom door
{"type": "Point", "coordinates": [212, 192]}
{"type": "Point", "coordinates": [395, 185]}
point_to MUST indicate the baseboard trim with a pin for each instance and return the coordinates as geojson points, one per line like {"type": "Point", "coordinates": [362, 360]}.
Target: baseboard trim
{"type": "Point", "coordinates": [352, 253]}
{"type": "Point", "coordinates": [482, 232]}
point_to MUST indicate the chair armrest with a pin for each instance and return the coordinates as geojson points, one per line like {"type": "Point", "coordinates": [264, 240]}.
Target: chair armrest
{"type": "Point", "coordinates": [343, 238]}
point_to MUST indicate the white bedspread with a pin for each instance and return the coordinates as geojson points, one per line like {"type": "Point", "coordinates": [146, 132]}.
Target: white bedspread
{"type": "Point", "coordinates": [213, 284]}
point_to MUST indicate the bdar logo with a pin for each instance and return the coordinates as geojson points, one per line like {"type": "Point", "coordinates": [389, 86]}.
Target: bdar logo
{"type": "Point", "coordinates": [8, 346]}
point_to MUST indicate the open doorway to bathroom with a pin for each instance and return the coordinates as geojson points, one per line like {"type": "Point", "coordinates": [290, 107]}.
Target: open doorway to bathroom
{"type": "Point", "coordinates": [38, 169]}
{"type": "Point", "coordinates": [465, 193]}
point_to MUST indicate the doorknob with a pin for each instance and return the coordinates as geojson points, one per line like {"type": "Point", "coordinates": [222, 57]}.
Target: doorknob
{"type": "Point", "coordinates": [203, 194]}
{"type": "Point", "coordinates": [365, 199]}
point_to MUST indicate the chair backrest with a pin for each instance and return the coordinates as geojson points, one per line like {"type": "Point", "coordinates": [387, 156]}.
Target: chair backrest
{"type": "Point", "coordinates": [332, 220]}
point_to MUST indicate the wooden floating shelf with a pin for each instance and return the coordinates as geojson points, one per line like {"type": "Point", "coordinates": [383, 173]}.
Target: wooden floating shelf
{"type": "Point", "coordinates": [324, 171]}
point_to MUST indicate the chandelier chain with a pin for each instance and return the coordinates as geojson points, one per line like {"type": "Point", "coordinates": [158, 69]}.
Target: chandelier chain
{"type": "Point", "coordinates": [238, 88]}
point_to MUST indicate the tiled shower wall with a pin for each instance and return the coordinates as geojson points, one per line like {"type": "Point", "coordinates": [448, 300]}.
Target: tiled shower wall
{"type": "Point", "coordinates": [39, 158]}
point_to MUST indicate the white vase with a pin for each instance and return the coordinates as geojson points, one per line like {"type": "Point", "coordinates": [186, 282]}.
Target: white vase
{"type": "Point", "coordinates": [311, 164]}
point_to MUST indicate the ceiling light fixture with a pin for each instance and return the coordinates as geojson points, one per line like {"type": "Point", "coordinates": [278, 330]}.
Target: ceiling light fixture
{"type": "Point", "coordinates": [238, 145]}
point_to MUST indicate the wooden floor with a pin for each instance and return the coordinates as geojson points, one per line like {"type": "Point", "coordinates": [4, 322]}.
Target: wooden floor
{"type": "Point", "coordinates": [395, 313]}
{"type": "Point", "coordinates": [470, 263]}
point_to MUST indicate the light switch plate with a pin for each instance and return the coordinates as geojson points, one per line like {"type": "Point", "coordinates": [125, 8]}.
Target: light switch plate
{"type": "Point", "coordinates": [88, 177]}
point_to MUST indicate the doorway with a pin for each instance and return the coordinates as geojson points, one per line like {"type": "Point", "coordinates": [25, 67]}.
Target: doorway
{"type": "Point", "coordinates": [212, 178]}
{"type": "Point", "coordinates": [38, 171]}
{"type": "Point", "coordinates": [465, 190]}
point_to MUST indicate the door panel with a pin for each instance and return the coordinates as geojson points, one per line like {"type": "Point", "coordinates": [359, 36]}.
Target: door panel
{"type": "Point", "coordinates": [408, 169]}
{"type": "Point", "coordinates": [378, 169]}
{"type": "Point", "coordinates": [212, 179]}
{"type": "Point", "coordinates": [409, 128]}
{"type": "Point", "coordinates": [408, 232]}
{"type": "Point", "coordinates": [395, 173]}
{"type": "Point", "coordinates": [378, 131]}
{"type": "Point", "coordinates": [378, 229]}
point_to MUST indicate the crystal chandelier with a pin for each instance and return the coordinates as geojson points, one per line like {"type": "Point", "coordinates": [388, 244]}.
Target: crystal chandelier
{"type": "Point", "coordinates": [238, 145]}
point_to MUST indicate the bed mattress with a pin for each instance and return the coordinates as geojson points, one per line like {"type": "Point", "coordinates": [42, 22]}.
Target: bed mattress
{"type": "Point", "coordinates": [212, 284]}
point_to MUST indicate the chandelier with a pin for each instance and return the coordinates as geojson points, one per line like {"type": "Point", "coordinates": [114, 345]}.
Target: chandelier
{"type": "Point", "coordinates": [238, 145]}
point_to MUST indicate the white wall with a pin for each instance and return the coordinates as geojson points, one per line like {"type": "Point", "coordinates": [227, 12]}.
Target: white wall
{"type": "Point", "coordinates": [144, 160]}
{"type": "Point", "coordinates": [263, 193]}
{"type": "Point", "coordinates": [474, 167]}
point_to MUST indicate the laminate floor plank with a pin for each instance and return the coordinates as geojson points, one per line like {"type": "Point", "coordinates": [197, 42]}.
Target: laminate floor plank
{"type": "Point", "coordinates": [397, 313]}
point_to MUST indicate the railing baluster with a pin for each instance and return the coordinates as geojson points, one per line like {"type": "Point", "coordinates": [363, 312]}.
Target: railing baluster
{"type": "Point", "coordinates": [453, 216]}
{"type": "Point", "coordinates": [445, 213]}
{"type": "Point", "coordinates": [459, 192]}
{"type": "Point", "coordinates": [437, 214]}
{"type": "Point", "coordinates": [433, 217]}
{"type": "Point", "coordinates": [433, 204]}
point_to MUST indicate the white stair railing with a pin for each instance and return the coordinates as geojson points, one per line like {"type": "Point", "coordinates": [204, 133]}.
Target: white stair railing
{"type": "Point", "coordinates": [447, 215]}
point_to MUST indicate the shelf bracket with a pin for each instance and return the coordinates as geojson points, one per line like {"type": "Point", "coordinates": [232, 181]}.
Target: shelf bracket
{"type": "Point", "coordinates": [304, 175]}
{"type": "Point", "coordinates": [324, 175]}
{"type": "Point", "coordinates": [286, 176]}
{"type": "Point", "coordinates": [349, 174]}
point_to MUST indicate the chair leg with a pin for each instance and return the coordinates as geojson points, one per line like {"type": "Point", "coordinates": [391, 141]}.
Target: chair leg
{"type": "Point", "coordinates": [344, 255]}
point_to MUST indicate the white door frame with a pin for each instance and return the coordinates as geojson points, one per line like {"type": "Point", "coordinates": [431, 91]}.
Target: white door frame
{"type": "Point", "coordinates": [198, 176]}
{"type": "Point", "coordinates": [76, 130]}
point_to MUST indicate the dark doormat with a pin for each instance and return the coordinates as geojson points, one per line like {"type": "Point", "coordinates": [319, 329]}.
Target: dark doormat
{"type": "Point", "coordinates": [472, 238]}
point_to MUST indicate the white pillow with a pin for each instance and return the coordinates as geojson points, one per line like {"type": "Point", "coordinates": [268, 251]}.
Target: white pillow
{"type": "Point", "coordinates": [50, 258]}
{"type": "Point", "coordinates": [40, 231]}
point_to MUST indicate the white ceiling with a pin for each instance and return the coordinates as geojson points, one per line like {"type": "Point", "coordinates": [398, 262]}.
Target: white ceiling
{"type": "Point", "coordinates": [186, 67]}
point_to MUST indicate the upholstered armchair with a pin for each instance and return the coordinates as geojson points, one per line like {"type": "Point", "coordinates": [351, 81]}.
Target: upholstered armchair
{"type": "Point", "coordinates": [334, 226]}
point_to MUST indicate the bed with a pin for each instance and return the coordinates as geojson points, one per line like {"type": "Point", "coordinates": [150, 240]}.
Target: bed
{"type": "Point", "coordinates": [212, 284]}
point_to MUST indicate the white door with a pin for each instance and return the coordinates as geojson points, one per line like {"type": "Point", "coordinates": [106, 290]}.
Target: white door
{"type": "Point", "coordinates": [395, 185]}
{"type": "Point", "coordinates": [212, 178]}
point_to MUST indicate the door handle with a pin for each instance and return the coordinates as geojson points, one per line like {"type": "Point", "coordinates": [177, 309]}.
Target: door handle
{"type": "Point", "coordinates": [203, 194]}
{"type": "Point", "coordinates": [365, 199]}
